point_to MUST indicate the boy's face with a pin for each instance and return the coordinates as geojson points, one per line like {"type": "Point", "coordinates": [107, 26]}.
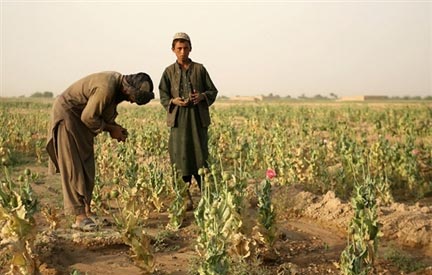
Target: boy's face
{"type": "Point", "coordinates": [182, 50]}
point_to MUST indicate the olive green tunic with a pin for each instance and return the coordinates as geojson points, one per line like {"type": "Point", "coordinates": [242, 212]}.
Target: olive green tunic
{"type": "Point", "coordinates": [78, 115]}
{"type": "Point", "coordinates": [188, 140]}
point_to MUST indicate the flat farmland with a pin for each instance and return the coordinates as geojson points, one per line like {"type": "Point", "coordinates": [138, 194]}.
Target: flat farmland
{"type": "Point", "coordinates": [350, 177]}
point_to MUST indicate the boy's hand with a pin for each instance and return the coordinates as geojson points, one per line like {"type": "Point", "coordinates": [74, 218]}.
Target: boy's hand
{"type": "Point", "coordinates": [179, 102]}
{"type": "Point", "coordinates": [196, 97]}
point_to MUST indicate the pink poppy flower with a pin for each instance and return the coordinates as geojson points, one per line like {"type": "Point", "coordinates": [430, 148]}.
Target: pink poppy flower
{"type": "Point", "coordinates": [270, 173]}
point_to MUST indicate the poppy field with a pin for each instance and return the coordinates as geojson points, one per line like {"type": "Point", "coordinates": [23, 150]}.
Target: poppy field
{"type": "Point", "coordinates": [292, 187]}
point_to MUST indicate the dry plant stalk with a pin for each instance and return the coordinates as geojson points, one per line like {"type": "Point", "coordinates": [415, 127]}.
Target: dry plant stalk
{"type": "Point", "coordinates": [133, 211]}
{"type": "Point", "coordinates": [177, 209]}
{"type": "Point", "coordinates": [18, 231]}
{"type": "Point", "coordinates": [52, 216]}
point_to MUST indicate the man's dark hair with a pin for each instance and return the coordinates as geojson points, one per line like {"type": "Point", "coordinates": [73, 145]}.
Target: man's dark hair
{"type": "Point", "coordinates": [143, 85]}
{"type": "Point", "coordinates": [136, 80]}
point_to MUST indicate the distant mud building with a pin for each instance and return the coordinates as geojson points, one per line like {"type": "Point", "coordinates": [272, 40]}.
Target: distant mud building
{"type": "Point", "coordinates": [363, 98]}
{"type": "Point", "coordinates": [247, 98]}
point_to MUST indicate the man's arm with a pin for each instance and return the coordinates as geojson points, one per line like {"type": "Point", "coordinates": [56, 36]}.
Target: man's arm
{"type": "Point", "coordinates": [211, 90]}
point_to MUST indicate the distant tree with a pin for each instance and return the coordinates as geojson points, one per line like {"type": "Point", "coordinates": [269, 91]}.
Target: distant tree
{"type": "Point", "coordinates": [37, 94]}
{"type": "Point", "coordinates": [48, 94]}
{"type": "Point", "coordinates": [45, 94]}
{"type": "Point", "coordinates": [318, 96]}
{"type": "Point", "coordinates": [333, 95]}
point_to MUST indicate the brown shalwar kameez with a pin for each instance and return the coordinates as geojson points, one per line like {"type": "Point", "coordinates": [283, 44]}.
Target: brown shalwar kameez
{"type": "Point", "coordinates": [79, 114]}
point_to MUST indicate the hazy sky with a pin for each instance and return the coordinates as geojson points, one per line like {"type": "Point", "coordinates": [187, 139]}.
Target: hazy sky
{"type": "Point", "coordinates": [248, 47]}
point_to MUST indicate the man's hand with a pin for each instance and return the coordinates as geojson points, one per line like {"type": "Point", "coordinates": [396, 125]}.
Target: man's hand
{"type": "Point", "coordinates": [117, 132]}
